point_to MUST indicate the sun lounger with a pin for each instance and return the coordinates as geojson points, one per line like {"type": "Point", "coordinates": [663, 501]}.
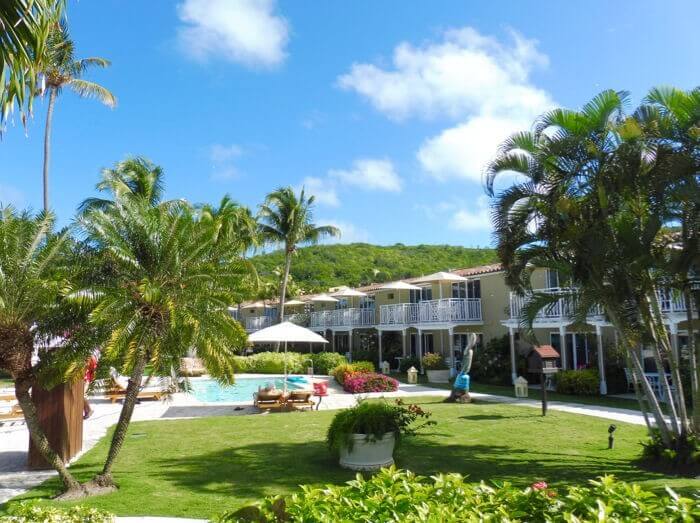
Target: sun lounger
{"type": "Point", "coordinates": [301, 399]}
{"type": "Point", "coordinates": [269, 400]}
{"type": "Point", "coordinates": [116, 391]}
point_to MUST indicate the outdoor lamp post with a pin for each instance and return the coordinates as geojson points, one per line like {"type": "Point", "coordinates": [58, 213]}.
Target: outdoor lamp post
{"type": "Point", "coordinates": [611, 436]}
{"type": "Point", "coordinates": [542, 360]}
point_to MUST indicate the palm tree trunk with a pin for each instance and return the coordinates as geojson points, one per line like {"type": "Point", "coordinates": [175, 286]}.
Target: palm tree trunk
{"type": "Point", "coordinates": [694, 364]}
{"type": "Point", "coordinates": [22, 386]}
{"type": "Point", "coordinates": [47, 146]}
{"type": "Point", "coordinates": [285, 279]}
{"type": "Point", "coordinates": [104, 479]}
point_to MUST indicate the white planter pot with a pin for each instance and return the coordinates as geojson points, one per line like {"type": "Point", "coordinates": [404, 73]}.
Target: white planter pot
{"type": "Point", "coordinates": [368, 455]}
{"type": "Point", "coordinates": [438, 376]}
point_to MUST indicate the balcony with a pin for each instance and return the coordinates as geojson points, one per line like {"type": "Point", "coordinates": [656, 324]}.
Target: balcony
{"type": "Point", "coordinates": [256, 323]}
{"type": "Point", "coordinates": [346, 318]}
{"type": "Point", "coordinates": [300, 319]}
{"type": "Point", "coordinates": [447, 310]}
{"type": "Point", "coordinates": [563, 309]}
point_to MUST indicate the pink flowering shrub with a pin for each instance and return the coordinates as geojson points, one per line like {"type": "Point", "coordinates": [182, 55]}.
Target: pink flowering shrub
{"type": "Point", "coordinates": [356, 383]}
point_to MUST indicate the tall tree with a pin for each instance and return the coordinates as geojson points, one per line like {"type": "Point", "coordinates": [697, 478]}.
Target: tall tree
{"type": "Point", "coordinates": [172, 279]}
{"type": "Point", "coordinates": [287, 220]}
{"type": "Point", "coordinates": [25, 26]}
{"type": "Point", "coordinates": [233, 222]}
{"type": "Point", "coordinates": [61, 69]}
{"type": "Point", "coordinates": [593, 202]}
{"type": "Point", "coordinates": [30, 284]}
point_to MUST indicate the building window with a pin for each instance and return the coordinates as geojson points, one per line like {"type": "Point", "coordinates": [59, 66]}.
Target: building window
{"type": "Point", "coordinates": [342, 303]}
{"type": "Point", "coordinates": [425, 294]}
{"type": "Point", "coordinates": [551, 278]}
{"type": "Point", "coordinates": [367, 302]}
{"type": "Point", "coordinates": [467, 289]}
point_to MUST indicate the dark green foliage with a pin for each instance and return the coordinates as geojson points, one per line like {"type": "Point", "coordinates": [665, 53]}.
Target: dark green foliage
{"type": "Point", "coordinates": [397, 495]}
{"type": "Point", "coordinates": [583, 382]}
{"type": "Point", "coordinates": [324, 362]}
{"type": "Point", "coordinates": [491, 363]}
{"type": "Point", "coordinates": [682, 458]}
{"type": "Point", "coordinates": [322, 266]}
{"type": "Point", "coordinates": [374, 419]}
{"type": "Point", "coordinates": [297, 363]}
{"type": "Point", "coordinates": [434, 361]}
{"type": "Point", "coordinates": [407, 363]}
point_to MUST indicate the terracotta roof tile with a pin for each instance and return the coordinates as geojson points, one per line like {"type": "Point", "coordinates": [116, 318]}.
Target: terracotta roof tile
{"type": "Point", "coordinates": [546, 351]}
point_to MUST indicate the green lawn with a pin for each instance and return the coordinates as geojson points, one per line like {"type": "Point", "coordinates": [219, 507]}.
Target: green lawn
{"type": "Point", "coordinates": [6, 383]}
{"type": "Point", "coordinates": [202, 466]}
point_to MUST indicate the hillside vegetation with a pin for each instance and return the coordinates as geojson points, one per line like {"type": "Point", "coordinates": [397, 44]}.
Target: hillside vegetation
{"type": "Point", "coordinates": [321, 266]}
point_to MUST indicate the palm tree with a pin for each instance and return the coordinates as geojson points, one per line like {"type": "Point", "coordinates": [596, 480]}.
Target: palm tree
{"type": "Point", "coordinates": [168, 291]}
{"type": "Point", "coordinates": [233, 221]}
{"type": "Point", "coordinates": [30, 285]}
{"type": "Point", "coordinates": [593, 203]}
{"type": "Point", "coordinates": [287, 220]}
{"type": "Point", "coordinates": [25, 26]}
{"type": "Point", "coordinates": [61, 69]}
{"type": "Point", "coordinates": [135, 177]}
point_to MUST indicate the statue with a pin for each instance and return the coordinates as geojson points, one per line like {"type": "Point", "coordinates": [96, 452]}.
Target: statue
{"type": "Point", "coordinates": [460, 389]}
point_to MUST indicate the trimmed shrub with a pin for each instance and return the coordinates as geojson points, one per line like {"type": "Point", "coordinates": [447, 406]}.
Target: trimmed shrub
{"type": "Point", "coordinates": [583, 382]}
{"type": "Point", "coordinates": [31, 513]}
{"type": "Point", "coordinates": [272, 363]}
{"type": "Point", "coordinates": [358, 383]}
{"type": "Point", "coordinates": [324, 362]}
{"type": "Point", "coordinates": [341, 372]}
{"type": "Point", "coordinates": [397, 495]}
{"type": "Point", "coordinates": [491, 363]}
{"type": "Point", "coordinates": [407, 363]}
{"type": "Point", "coordinates": [434, 361]}
{"type": "Point", "coordinates": [363, 366]}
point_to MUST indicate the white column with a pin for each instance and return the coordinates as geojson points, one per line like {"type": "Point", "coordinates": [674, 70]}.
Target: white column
{"type": "Point", "coordinates": [350, 343]}
{"type": "Point", "coordinates": [403, 342]}
{"type": "Point", "coordinates": [333, 348]}
{"type": "Point", "coordinates": [673, 332]}
{"type": "Point", "coordinates": [379, 346]}
{"type": "Point", "coordinates": [513, 370]}
{"type": "Point", "coordinates": [562, 343]}
{"type": "Point", "coordinates": [450, 334]}
{"type": "Point", "coordinates": [420, 349]}
{"type": "Point", "coordinates": [601, 360]}
{"type": "Point", "coordinates": [573, 351]}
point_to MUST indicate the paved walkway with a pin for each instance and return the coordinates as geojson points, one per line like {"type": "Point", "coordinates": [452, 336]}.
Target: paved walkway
{"type": "Point", "coordinates": [15, 479]}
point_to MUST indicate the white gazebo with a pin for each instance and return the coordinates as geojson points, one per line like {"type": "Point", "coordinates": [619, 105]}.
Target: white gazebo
{"type": "Point", "coordinates": [286, 332]}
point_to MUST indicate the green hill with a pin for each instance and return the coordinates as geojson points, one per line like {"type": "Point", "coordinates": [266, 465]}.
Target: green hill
{"type": "Point", "coordinates": [321, 266]}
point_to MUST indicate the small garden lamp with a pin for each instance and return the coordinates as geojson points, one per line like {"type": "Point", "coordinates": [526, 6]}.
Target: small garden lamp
{"type": "Point", "coordinates": [611, 436]}
{"type": "Point", "coordinates": [412, 375]}
{"type": "Point", "coordinates": [521, 389]}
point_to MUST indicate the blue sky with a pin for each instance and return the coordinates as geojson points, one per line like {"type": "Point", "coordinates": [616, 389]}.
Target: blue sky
{"type": "Point", "coordinates": [386, 109]}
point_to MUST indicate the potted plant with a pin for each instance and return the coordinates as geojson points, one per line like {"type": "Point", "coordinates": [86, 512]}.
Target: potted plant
{"type": "Point", "coordinates": [436, 368]}
{"type": "Point", "coordinates": [364, 437]}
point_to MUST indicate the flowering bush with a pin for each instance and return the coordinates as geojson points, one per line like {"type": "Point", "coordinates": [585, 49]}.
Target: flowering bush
{"type": "Point", "coordinates": [433, 361]}
{"type": "Point", "coordinates": [345, 370]}
{"type": "Point", "coordinates": [359, 382]}
{"type": "Point", "coordinates": [30, 513]}
{"type": "Point", "coordinates": [397, 495]}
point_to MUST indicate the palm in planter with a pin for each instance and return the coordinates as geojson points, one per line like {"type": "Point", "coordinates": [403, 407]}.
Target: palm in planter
{"type": "Point", "coordinates": [365, 436]}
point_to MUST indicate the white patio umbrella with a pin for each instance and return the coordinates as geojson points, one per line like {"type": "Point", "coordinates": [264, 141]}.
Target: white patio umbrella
{"type": "Point", "coordinates": [399, 286]}
{"type": "Point", "coordinates": [294, 302]}
{"type": "Point", "coordinates": [324, 297]}
{"type": "Point", "coordinates": [255, 305]}
{"type": "Point", "coordinates": [346, 293]}
{"type": "Point", "coordinates": [283, 333]}
{"type": "Point", "coordinates": [441, 276]}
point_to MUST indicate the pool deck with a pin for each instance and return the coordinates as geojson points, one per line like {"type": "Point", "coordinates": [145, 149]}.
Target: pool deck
{"type": "Point", "coordinates": [15, 479]}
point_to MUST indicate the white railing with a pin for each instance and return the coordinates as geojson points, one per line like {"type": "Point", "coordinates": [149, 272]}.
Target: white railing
{"type": "Point", "coordinates": [301, 318]}
{"type": "Point", "coordinates": [343, 318]}
{"type": "Point", "coordinates": [447, 310]}
{"type": "Point", "coordinates": [256, 323]}
{"type": "Point", "coordinates": [671, 301]}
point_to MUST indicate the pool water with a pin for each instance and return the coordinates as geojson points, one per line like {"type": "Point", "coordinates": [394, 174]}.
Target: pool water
{"type": "Point", "coordinates": [209, 391]}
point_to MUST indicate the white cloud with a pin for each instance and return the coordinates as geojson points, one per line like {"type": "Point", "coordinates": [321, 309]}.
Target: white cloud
{"type": "Point", "coordinates": [222, 158]}
{"type": "Point", "coordinates": [350, 233]}
{"type": "Point", "coordinates": [480, 83]}
{"type": "Point", "coordinates": [243, 31]}
{"type": "Point", "coordinates": [465, 214]}
{"type": "Point", "coordinates": [370, 174]}
{"type": "Point", "coordinates": [324, 190]}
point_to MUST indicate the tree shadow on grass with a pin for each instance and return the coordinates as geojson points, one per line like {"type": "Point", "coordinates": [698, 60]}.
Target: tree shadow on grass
{"type": "Point", "coordinates": [493, 417]}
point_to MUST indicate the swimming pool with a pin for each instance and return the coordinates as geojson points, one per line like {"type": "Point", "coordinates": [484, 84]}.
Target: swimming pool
{"type": "Point", "coordinates": [209, 391]}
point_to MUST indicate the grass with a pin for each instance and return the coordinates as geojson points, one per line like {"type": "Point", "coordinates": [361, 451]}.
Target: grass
{"type": "Point", "coordinates": [197, 467]}
{"type": "Point", "coordinates": [6, 383]}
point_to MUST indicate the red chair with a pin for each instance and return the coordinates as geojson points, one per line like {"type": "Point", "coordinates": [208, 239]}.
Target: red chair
{"type": "Point", "coordinates": [320, 390]}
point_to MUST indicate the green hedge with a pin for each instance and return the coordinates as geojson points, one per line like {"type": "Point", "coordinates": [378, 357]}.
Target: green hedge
{"type": "Point", "coordinates": [585, 382]}
{"type": "Point", "coordinates": [30, 513]}
{"type": "Point", "coordinates": [395, 495]}
{"type": "Point", "coordinates": [297, 363]}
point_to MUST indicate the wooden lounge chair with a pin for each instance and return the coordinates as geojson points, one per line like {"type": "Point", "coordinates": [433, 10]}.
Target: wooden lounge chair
{"type": "Point", "coordinates": [301, 399]}
{"type": "Point", "coordinates": [117, 392]}
{"type": "Point", "coordinates": [269, 399]}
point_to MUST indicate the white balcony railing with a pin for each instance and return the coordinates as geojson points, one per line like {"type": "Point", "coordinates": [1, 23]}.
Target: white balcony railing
{"type": "Point", "coordinates": [564, 308]}
{"type": "Point", "coordinates": [255, 323]}
{"type": "Point", "coordinates": [447, 310]}
{"type": "Point", "coordinates": [343, 318]}
{"type": "Point", "coordinates": [301, 318]}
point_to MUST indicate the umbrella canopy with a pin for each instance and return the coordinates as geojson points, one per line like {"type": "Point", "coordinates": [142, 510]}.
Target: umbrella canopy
{"type": "Point", "coordinates": [286, 332]}
{"type": "Point", "coordinates": [346, 293]}
{"type": "Point", "coordinates": [254, 305]}
{"type": "Point", "coordinates": [400, 286]}
{"type": "Point", "coordinates": [324, 297]}
{"type": "Point", "coordinates": [442, 276]}
{"type": "Point", "coordinates": [294, 302]}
